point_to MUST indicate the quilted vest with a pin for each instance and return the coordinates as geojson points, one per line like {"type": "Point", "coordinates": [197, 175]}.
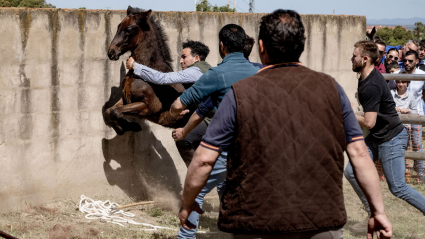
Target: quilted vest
{"type": "Point", "coordinates": [284, 173]}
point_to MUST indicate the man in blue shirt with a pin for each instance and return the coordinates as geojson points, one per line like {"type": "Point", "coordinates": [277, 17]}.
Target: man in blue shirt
{"type": "Point", "coordinates": [215, 83]}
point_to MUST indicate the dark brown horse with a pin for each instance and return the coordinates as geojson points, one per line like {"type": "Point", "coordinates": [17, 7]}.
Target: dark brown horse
{"type": "Point", "coordinates": [141, 34]}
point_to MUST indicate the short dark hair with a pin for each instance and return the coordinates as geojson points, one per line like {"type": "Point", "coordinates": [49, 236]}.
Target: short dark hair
{"type": "Point", "coordinates": [282, 33]}
{"type": "Point", "coordinates": [391, 66]}
{"type": "Point", "coordinates": [412, 52]}
{"type": "Point", "coordinates": [422, 44]}
{"type": "Point", "coordinates": [392, 49]}
{"type": "Point", "coordinates": [368, 48]}
{"type": "Point", "coordinates": [233, 37]}
{"type": "Point", "coordinates": [249, 43]}
{"type": "Point", "coordinates": [380, 42]}
{"type": "Point", "coordinates": [197, 48]}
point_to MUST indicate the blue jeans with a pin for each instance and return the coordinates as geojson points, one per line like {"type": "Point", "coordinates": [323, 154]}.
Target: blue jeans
{"type": "Point", "coordinates": [391, 155]}
{"type": "Point", "coordinates": [416, 139]}
{"type": "Point", "coordinates": [216, 179]}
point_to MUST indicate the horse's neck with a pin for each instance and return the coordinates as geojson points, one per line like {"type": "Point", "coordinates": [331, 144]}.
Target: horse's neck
{"type": "Point", "coordinates": [148, 53]}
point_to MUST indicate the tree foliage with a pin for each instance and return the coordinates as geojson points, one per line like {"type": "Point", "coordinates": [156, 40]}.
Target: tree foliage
{"type": "Point", "coordinates": [26, 3]}
{"type": "Point", "coordinates": [393, 37]}
{"type": "Point", "coordinates": [205, 6]}
{"type": "Point", "coordinates": [419, 30]}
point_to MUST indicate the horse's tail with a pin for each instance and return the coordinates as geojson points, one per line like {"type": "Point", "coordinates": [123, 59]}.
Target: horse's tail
{"type": "Point", "coordinates": [126, 88]}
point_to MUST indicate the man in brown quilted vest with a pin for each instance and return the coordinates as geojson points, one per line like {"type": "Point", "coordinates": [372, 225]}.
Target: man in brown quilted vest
{"type": "Point", "coordinates": [286, 129]}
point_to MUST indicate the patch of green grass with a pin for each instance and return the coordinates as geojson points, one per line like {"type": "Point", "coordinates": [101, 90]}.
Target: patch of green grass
{"type": "Point", "coordinates": [155, 212]}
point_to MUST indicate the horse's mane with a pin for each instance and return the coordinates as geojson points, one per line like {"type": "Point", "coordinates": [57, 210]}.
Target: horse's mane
{"type": "Point", "coordinates": [160, 36]}
{"type": "Point", "coordinates": [162, 41]}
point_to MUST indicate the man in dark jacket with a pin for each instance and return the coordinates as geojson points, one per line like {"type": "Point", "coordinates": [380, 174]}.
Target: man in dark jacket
{"type": "Point", "coordinates": [285, 165]}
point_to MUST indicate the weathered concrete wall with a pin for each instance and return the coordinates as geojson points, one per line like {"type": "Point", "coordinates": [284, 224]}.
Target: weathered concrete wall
{"type": "Point", "coordinates": [55, 78]}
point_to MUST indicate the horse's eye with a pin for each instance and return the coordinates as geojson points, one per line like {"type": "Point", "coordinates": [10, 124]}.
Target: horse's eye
{"type": "Point", "coordinates": [129, 29]}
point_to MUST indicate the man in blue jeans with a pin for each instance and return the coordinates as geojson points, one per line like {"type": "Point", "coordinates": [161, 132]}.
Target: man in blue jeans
{"type": "Point", "coordinates": [387, 140]}
{"type": "Point", "coordinates": [215, 83]}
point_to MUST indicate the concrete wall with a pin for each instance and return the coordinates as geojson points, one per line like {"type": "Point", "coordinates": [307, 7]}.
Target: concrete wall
{"type": "Point", "coordinates": [55, 78]}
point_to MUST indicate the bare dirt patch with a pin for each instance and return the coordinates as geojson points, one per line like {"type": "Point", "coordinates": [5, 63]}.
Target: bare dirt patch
{"type": "Point", "coordinates": [62, 220]}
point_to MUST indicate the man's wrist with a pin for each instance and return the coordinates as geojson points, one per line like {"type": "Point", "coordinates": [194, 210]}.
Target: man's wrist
{"type": "Point", "coordinates": [133, 65]}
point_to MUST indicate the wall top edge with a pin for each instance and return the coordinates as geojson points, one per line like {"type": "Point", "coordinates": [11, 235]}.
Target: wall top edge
{"type": "Point", "coordinates": [185, 12]}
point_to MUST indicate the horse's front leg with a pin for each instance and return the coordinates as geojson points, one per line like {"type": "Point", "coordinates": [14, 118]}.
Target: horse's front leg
{"type": "Point", "coordinates": [114, 116]}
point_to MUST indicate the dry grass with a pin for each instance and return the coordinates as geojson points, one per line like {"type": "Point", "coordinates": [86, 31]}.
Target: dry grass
{"type": "Point", "coordinates": [61, 220]}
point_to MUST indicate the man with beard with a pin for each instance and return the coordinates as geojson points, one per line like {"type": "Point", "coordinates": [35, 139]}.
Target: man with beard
{"type": "Point", "coordinates": [387, 140]}
{"type": "Point", "coordinates": [411, 45]}
{"type": "Point", "coordinates": [392, 56]}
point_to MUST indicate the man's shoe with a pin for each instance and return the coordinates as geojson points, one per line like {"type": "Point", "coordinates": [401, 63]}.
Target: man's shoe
{"type": "Point", "coordinates": [361, 226]}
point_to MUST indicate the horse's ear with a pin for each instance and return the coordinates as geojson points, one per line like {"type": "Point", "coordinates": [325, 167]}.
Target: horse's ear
{"type": "Point", "coordinates": [148, 13]}
{"type": "Point", "coordinates": [129, 10]}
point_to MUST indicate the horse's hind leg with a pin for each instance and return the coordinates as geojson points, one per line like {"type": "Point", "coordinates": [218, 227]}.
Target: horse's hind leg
{"type": "Point", "coordinates": [114, 116]}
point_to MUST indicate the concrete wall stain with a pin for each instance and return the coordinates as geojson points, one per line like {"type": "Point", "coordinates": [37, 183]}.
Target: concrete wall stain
{"type": "Point", "coordinates": [324, 28]}
{"type": "Point", "coordinates": [81, 88]}
{"type": "Point", "coordinates": [179, 27]}
{"type": "Point", "coordinates": [54, 28]}
{"type": "Point", "coordinates": [340, 25]}
{"type": "Point", "coordinates": [25, 120]}
{"type": "Point", "coordinates": [308, 26]}
{"type": "Point", "coordinates": [201, 21]}
{"type": "Point", "coordinates": [108, 38]}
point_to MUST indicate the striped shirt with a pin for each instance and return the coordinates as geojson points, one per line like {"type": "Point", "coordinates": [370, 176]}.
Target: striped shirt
{"type": "Point", "coordinates": [189, 75]}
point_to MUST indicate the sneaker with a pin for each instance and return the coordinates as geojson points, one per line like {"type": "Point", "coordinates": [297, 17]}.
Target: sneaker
{"type": "Point", "coordinates": [361, 226]}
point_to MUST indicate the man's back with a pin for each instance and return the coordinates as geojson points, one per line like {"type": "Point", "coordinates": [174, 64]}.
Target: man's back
{"type": "Point", "coordinates": [218, 80]}
{"type": "Point", "coordinates": [284, 167]}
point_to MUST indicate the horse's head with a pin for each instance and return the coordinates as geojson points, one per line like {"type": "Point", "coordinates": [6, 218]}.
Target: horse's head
{"type": "Point", "coordinates": [129, 33]}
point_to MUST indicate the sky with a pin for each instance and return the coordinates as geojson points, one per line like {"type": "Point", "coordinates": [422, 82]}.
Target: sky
{"type": "Point", "coordinates": [372, 9]}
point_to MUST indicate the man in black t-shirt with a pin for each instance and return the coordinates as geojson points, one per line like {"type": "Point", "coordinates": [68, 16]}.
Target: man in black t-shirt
{"type": "Point", "coordinates": [387, 140]}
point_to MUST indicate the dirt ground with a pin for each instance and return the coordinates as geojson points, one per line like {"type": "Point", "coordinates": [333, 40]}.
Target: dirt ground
{"type": "Point", "coordinates": [62, 220]}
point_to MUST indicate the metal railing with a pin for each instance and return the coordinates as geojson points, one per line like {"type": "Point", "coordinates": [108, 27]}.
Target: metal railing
{"type": "Point", "coordinates": [410, 119]}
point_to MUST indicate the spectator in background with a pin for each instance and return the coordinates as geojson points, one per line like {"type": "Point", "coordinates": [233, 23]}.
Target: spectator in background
{"type": "Point", "coordinates": [392, 56]}
{"type": "Point", "coordinates": [381, 48]}
{"type": "Point", "coordinates": [249, 43]}
{"type": "Point", "coordinates": [422, 54]}
{"type": "Point", "coordinates": [411, 60]}
{"type": "Point", "coordinates": [411, 45]}
{"type": "Point", "coordinates": [405, 103]}
{"type": "Point", "coordinates": [393, 68]}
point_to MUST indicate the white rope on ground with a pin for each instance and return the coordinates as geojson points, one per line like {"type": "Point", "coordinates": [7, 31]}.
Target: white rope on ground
{"type": "Point", "coordinates": [106, 211]}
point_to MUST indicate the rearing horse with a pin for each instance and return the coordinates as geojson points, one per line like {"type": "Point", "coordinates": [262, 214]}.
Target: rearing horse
{"type": "Point", "coordinates": [143, 36]}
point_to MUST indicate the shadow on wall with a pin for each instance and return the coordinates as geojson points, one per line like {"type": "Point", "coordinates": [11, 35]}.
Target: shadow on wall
{"type": "Point", "coordinates": [139, 164]}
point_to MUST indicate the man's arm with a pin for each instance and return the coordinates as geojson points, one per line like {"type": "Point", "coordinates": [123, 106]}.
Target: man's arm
{"type": "Point", "coordinates": [218, 138]}
{"type": "Point", "coordinates": [204, 87]}
{"type": "Point", "coordinates": [368, 180]}
{"type": "Point", "coordinates": [177, 107]}
{"type": "Point", "coordinates": [197, 175]}
{"type": "Point", "coordinates": [198, 116]}
{"type": "Point", "coordinates": [181, 133]}
{"type": "Point", "coordinates": [189, 75]}
{"type": "Point", "coordinates": [369, 119]}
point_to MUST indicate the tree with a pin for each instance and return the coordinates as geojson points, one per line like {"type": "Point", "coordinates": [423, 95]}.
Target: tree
{"type": "Point", "coordinates": [205, 6]}
{"type": "Point", "coordinates": [385, 34]}
{"type": "Point", "coordinates": [26, 3]}
{"type": "Point", "coordinates": [419, 30]}
{"type": "Point", "coordinates": [398, 36]}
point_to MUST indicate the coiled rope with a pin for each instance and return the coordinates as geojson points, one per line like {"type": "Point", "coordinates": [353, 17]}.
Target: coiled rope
{"type": "Point", "coordinates": [105, 211]}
